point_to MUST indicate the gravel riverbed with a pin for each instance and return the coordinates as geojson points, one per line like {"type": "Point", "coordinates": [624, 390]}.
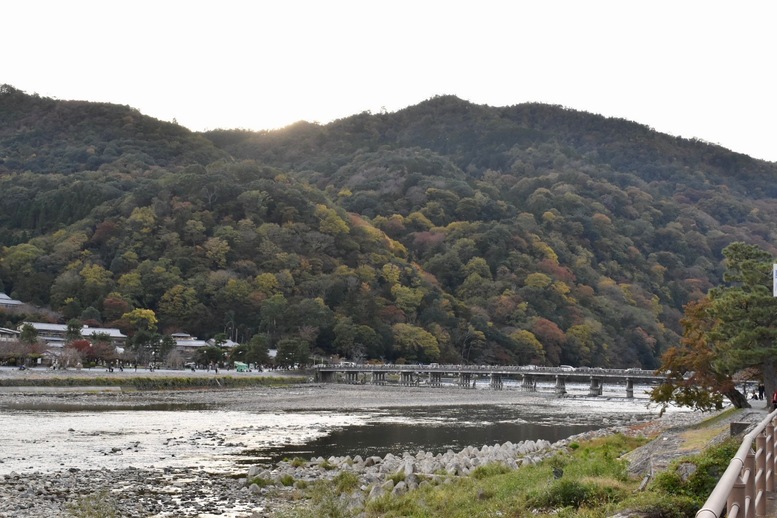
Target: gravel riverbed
{"type": "Point", "coordinates": [196, 489]}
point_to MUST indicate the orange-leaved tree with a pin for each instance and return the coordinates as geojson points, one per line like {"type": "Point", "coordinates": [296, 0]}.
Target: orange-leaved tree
{"type": "Point", "coordinates": [693, 378]}
{"type": "Point", "coordinates": [731, 330]}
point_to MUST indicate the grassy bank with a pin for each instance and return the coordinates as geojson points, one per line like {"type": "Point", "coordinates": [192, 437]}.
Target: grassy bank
{"type": "Point", "coordinates": [588, 480]}
{"type": "Point", "coordinates": [153, 382]}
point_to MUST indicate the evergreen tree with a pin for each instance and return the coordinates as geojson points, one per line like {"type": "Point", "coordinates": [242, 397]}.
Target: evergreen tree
{"type": "Point", "coordinates": [734, 328]}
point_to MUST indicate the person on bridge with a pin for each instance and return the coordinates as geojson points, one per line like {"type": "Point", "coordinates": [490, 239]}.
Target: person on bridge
{"type": "Point", "coordinates": [774, 401]}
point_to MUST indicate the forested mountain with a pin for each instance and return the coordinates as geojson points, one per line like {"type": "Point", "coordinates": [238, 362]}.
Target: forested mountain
{"type": "Point", "coordinates": [445, 232]}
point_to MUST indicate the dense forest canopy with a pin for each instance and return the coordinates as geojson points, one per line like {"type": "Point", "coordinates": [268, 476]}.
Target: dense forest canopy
{"type": "Point", "coordinates": [446, 231]}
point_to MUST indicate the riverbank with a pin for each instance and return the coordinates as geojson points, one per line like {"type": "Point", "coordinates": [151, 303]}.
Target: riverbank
{"type": "Point", "coordinates": [196, 489]}
{"type": "Point", "coordinates": [95, 380]}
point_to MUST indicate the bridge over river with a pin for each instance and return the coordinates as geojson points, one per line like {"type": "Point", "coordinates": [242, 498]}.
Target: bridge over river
{"type": "Point", "coordinates": [468, 376]}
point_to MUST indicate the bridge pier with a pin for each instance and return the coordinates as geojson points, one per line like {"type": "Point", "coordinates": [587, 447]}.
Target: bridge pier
{"type": "Point", "coordinates": [378, 378]}
{"type": "Point", "coordinates": [352, 377]}
{"type": "Point", "coordinates": [435, 379]}
{"type": "Point", "coordinates": [406, 379]}
{"type": "Point", "coordinates": [561, 387]}
{"type": "Point", "coordinates": [629, 388]}
{"type": "Point", "coordinates": [325, 376]}
{"type": "Point", "coordinates": [596, 387]}
{"type": "Point", "coordinates": [496, 381]}
{"type": "Point", "coordinates": [528, 383]}
{"type": "Point", "coordinates": [465, 378]}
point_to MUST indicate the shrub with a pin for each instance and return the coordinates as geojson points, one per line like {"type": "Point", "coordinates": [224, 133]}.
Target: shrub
{"type": "Point", "coordinates": [345, 482]}
{"type": "Point", "coordinates": [98, 505]}
{"type": "Point", "coordinates": [490, 470]}
{"type": "Point", "coordinates": [710, 465]}
{"type": "Point", "coordinates": [661, 505]}
{"type": "Point", "coordinates": [327, 465]}
{"type": "Point", "coordinates": [668, 482]}
{"type": "Point", "coordinates": [298, 462]}
{"type": "Point", "coordinates": [397, 477]}
{"type": "Point", "coordinates": [259, 481]}
{"type": "Point", "coordinates": [577, 493]}
{"type": "Point", "coordinates": [322, 501]}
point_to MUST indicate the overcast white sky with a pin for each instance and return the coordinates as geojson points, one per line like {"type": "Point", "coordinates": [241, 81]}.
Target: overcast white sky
{"type": "Point", "coordinates": [701, 69]}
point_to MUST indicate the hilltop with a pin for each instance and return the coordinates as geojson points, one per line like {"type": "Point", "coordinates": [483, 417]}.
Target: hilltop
{"type": "Point", "coordinates": [446, 231]}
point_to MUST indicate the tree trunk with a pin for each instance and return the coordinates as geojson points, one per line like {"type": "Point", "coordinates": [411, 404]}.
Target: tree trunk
{"type": "Point", "coordinates": [770, 380]}
{"type": "Point", "coordinates": [737, 399]}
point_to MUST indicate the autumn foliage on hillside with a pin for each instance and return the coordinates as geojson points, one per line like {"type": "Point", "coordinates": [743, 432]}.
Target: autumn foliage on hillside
{"type": "Point", "coordinates": [445, 232]}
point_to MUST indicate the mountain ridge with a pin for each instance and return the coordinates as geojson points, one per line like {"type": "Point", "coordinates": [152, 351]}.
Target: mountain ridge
{"type": "Point", "coordinates": [445, 231]}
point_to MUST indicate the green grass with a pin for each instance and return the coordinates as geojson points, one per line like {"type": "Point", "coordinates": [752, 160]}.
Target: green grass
{"type": "Point", "coordinates": [326, 465]}
{"type": "Point", "coordinates": [398, 477]}
{"type": "Point", "coordinates": [587, 481]}
{"type": "Point", "coordinates": [345, 482]}
{"type": "Point", "coordinates": [98, 505]}
{"type": "Point", "coordinates": [492, 490]}
{"type": "Point", "coordinates": [261, 482]}
{"type": "Point", "coordinates": [297, 462]}
{"type": "Point", "coordinates": [710, 465]}
{"type": "Point", "coordinates": [722, 417]}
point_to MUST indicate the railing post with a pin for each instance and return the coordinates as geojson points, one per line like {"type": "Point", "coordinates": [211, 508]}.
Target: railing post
{"type": "Point", "coordinates": [736, 500]}
{"type": "Point", "coordinates": [769, 457]}
{"type": "Point", "coordinates": [748, 473]}
{"type": "Point", "coordinates": [760, 478]}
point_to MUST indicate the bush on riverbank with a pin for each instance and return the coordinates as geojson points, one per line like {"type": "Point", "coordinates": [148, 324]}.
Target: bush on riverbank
{"type": "Point", "coordinates": [99, 505]}
{"type": "Point", "coordinates": [697, 476]}
{"type": "Point", "coordinates": [153, 382]}
{"type": "Point", "coordinates": [590, 481]}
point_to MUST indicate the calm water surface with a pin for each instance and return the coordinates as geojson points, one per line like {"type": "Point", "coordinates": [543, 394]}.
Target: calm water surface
{"type": "Point", "coordinates": [433, 429]}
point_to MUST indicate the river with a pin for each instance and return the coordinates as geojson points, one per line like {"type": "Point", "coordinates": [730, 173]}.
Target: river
{"type": "Point", "coordinates": [224, 432]}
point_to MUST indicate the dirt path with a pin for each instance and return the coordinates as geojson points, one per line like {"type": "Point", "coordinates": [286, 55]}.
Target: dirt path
{"type": "Point", "coordinates": [679, 438]}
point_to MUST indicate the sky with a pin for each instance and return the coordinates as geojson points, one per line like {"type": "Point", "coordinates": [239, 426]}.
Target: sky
{"type": "Point", "coordinates": [696, 69]}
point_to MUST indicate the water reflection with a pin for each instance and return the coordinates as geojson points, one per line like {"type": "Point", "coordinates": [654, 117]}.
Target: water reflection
{"type": "Point", "coordinates": [430, 429]}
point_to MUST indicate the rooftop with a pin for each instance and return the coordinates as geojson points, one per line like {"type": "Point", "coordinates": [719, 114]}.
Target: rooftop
{"type": "Point", "coordinates": [5, 300]}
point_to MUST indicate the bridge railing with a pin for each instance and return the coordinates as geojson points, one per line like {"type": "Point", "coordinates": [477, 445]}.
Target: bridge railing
{"type": "Point", "coordinates": [741, 491]}
{"type": "Point", "coordinates": [486, 368]}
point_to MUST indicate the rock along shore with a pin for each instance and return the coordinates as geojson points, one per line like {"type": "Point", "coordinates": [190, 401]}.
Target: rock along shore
{"type": "Point", "coordinates": [261, 493]}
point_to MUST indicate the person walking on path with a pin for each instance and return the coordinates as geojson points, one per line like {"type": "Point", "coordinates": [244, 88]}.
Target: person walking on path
{"type": "Point", "coordinates": [774, 401]}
